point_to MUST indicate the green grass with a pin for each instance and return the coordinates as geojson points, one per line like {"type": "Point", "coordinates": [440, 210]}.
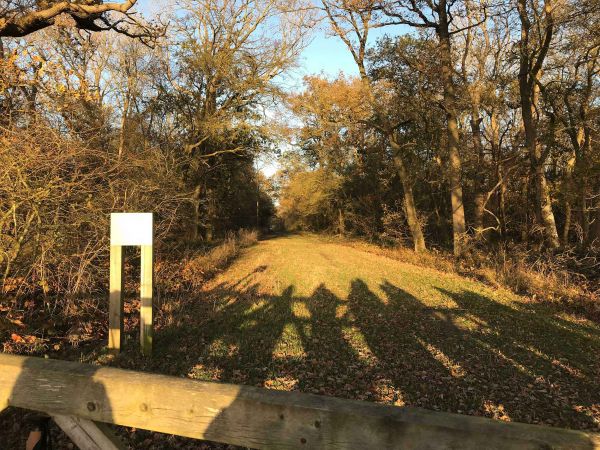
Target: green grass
{"type": "Point", "coordinates": [310, 314]}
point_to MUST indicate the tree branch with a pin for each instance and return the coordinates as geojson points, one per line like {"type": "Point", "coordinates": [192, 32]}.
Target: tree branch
{"type": "Point", "coordinates": [83, 15]}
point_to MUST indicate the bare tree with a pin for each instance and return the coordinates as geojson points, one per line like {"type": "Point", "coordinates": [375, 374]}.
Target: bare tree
{"type": "Point", "coordinates": [352, 22]}
{"type": "Point", "coordinates": [19, 18]}
{"type": "Point", "coordinates": [439, 17]}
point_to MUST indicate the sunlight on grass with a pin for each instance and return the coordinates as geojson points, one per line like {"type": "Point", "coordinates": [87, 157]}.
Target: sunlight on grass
{"type": "Point", "coordinates": [290, 343]}
{"type": "Point", "coordinates": [301, 311]}
{"type": "Point", "coordinates": [304, 313]}
{"type": "Point", "coordinates": [453, 367]}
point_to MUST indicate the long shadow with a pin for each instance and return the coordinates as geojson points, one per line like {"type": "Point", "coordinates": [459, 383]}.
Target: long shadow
{"type": "Point", "coordinates": [476, 357]}
{"type": "Point", "coordinates": [253, 338]}
{"type": "Point", "coordinates": [395, 332]}
{"type": "Point", "coordinates": [332, 365]}
{"type": "Point", "coordinates": [554, 369]}
{"type": "Point", "coordinates": [472, 355]}
{"type": "Point", "coordinates": [480, 357]}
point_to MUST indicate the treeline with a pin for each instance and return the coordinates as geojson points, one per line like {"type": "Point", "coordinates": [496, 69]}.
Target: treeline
{"type": "Point", "coordinates": [137, 117]}
{"type": "Point", "coordinates": [471, 124]}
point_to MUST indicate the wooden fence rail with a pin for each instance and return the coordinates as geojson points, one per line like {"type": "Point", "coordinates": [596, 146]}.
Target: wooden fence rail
{"type": "Point", "coordinates": [255, 417]}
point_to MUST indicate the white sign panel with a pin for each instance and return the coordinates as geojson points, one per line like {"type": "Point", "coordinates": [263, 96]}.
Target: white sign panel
{"type": "Point", "coordinates": [131, 228]}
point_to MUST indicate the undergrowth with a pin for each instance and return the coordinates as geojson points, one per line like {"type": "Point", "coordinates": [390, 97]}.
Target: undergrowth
{"type": "Point", "coordinates": [37, 324]}
{"type": "Point", "coordinates": [563, 278]}
{"type": "Point", "coordinates": [201, 267]}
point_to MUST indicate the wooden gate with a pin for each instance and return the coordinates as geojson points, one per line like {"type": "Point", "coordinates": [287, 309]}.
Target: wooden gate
{"type": "Point", "coordinates": [79, 396]}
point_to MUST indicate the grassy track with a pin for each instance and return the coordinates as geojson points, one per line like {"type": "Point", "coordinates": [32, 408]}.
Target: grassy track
{"type": "Point", "coordinates": [306, 313]}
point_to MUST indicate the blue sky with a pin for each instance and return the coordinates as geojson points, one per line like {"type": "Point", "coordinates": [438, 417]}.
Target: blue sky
{"type": "Point", "coordinates": [326, 54]}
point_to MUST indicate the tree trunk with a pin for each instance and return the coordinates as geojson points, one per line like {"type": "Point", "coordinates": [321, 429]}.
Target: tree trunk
{"type": "Point", "coordinates": [455, 165]}
{"type": "Point", "coordinates": [409, 203]}
{"type": "Point", "coordinates": [341, 222]}
{"type": "Point", "coordinates": [498, 163]}
{"type": "Point", "coordinates": [545, 206]}
{"type": "Point", "coordinates": [568, 193]}
{"type": "Point", "coordinates": [479, 180]}
{"type": "Point", "coordinates": [594, 227]}
{"type": "Point", "coordinates": [197, 196]}
{"type": "Point", "coordinates": [584, 216]}
{"type": "Point", "coordinates": [124, 125]}
{"type": "Point", "coordinates": [529, 73]}
{"type": "Point", "coordinates": [209, 228]}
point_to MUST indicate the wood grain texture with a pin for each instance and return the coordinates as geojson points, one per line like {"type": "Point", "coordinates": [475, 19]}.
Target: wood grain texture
{"type": "Point", "coordinates": [115, 308]}
{"type": "Point", "coordinates": [88, 435]}
{"type": "Point", "coordinates": [254, 417]}
{"type": "Point", "coordinates": [146, 289]}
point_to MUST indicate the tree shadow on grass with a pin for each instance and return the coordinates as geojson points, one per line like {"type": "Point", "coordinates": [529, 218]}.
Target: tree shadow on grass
{"type": "Point", "coordinates": [471, 355]}
{"type": "Point", "coordinates": [481, 357]}
{"type": "Point", "coordinates": [558, 366]}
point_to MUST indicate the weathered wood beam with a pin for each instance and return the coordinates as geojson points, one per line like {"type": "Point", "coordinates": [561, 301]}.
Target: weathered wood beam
{"type": "Point", "coordinates": [254, 417]}
{"type": "Point", "coordinates": [88, 435]}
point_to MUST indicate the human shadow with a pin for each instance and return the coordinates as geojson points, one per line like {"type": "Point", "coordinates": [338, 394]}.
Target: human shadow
{"type": "Point", "coordinates": [479, 357]}
{"type": "Point", "coordinates": [468, 354]}
{"type": "Point", "coordinates": [413, 354]}
{"type": "Point", "coordinates": [250, 337]}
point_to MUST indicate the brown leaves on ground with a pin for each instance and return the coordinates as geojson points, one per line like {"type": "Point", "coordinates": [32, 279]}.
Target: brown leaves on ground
{"type": "Point", "coordinates": [307, 314]}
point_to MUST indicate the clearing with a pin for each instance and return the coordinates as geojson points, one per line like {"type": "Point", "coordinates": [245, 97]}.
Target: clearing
{"type": "Point", "coordinates": [310, 313]}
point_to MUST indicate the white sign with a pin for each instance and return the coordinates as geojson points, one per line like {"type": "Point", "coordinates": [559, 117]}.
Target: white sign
{"type": "Point", "coordinates": [131, 228]}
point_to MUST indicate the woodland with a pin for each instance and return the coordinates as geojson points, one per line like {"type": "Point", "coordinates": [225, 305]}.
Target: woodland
{"type": "Point", "coordinates": [466, 141]}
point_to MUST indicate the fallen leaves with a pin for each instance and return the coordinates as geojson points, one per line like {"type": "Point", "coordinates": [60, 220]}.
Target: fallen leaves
{"type": "Point", "coordinates": [26, 339]}
{"type": "Point", "coordinates": [17, 322]}
{"type": "Point", "coordinates": [433, 344]}
{"type": "Point", "coordinates": [16, 338]}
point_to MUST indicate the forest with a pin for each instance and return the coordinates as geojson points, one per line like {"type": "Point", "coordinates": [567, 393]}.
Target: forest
{"type": "Point", "coordinates": [464, 139]}
{"type": "Point", "coordinates": [471, 127]}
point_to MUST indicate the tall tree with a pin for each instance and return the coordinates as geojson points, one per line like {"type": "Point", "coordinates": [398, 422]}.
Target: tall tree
{"type": "Point", "coordinates": [439, 17]}
{"type": "Point", "coordinates": [228, 54]}
{"type": "Point", "coordinates": [352, 22]}
{"type": "Point", "coordinates": [537, 30]}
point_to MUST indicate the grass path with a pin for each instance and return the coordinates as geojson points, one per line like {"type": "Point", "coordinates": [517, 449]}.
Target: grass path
{"type": "Point", "coordinates": [306, 313]}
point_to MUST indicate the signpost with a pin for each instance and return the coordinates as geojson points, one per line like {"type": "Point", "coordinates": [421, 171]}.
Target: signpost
{"type": "Point", "coordinates": [130, 229]}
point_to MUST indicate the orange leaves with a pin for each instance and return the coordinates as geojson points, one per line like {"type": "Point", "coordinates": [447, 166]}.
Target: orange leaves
{"type": "Point", "coordinates": [340, 100]}
{"type": "Point", "coordinates": [11, 284]}
{"type": "Point", "coordinates": [17, 322]}
{"type": "Point", "coordinates": [26, 339]}
{"type": "Point", "coordinates": [16, 338]}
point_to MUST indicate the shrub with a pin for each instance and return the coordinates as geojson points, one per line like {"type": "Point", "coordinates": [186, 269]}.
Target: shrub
{"type": "Point", "coordinates": [56, 199]}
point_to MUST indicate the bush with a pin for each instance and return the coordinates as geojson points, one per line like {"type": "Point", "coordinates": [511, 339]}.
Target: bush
{"type": "Point", "coordinates": [551, 277]}
{"type": "Point", "coordinates": [56, 199]}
